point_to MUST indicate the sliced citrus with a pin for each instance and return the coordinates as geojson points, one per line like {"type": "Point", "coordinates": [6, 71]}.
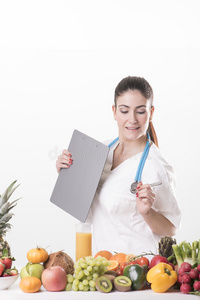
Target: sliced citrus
{"type": "Point", "coordinates": [130, 257]}
{"type": "Point", "coordinates": [113, 265]}
{"type": "Point", "coordinates": [120, 257]}
{"type": "Point", "coordinates": [104, 253]}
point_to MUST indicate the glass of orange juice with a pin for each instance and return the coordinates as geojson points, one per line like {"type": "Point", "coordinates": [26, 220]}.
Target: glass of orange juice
{"type": "Point", "coordinates": [83, 240]}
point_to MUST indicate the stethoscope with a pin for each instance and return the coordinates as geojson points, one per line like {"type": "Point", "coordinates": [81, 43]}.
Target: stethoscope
{"type": "Point", "coordinates": [141, 164]}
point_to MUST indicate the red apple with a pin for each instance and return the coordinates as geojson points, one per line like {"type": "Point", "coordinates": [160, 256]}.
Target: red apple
{"type": "Point", "coordinates": [54, 279]}
{"type": "Point", "coordinates": [156, 260]}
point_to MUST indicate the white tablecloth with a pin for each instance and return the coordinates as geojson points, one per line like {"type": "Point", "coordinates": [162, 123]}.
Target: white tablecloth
{"type": "Point", "coordinates": [14, 293]}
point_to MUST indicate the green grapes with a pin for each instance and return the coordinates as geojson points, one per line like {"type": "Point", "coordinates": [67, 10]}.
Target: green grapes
{"type": "Point", "coordinates": [85, 282]}
{"type": "Point", "coordinates": [70, 278]}
{"type": "Point", "coordinates": [68, 286]}
{"type": "Point", "coordinates": [86, 271]}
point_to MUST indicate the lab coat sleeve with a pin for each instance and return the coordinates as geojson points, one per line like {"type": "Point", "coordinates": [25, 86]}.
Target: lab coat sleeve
{"type": "Point", "coordinates": [165, 198]}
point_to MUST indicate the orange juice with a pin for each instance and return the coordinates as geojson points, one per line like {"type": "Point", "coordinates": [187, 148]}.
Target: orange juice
{"type": "Point", "coordinates": [83, 244]}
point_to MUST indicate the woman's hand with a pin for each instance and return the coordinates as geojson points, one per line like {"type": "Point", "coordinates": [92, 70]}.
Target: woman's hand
{"type": "Point", "coordinates": [145, 198]}
{"type": "Point", "coordinates": [64, 160]}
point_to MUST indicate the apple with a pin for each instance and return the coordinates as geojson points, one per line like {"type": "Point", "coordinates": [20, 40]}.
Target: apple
{"type": "Point", "coordinates": [24, 273]}
{"type": "Point", "coordinates": [32, 270]}
{"type": "Point", "coordinates": [35, 270]}
{"type": "Point", "coordinates": [156, 260]}
{"type": "Point", "coordinates": [54, 279]}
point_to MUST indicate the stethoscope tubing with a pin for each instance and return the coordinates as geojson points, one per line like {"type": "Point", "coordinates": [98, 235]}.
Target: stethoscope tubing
{"type": "Point", "coordinates": [143, 158]}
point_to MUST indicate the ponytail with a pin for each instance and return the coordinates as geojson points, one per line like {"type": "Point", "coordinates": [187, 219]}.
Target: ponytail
{"type": "Point", "coordinates": [152, 133]}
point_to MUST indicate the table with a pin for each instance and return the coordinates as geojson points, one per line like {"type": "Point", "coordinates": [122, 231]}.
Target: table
{"type": "Point", "coordinates": [14, 293]}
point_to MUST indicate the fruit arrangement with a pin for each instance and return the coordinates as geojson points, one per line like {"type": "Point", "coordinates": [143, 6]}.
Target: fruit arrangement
{"type": "Point", "coordinates": [49, 270]}
{"type": "Point", "coordinates": [106, 271]}
{"type": "Point", "coordinates": [31, 273]}
{"type": "Point", "coordinates": [176, 266]}
{"type": "Point", "coordinates": [166, 270]}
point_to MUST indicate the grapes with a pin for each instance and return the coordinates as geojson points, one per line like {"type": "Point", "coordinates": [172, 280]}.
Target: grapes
{"type": "Point", "coordinates": [86, 288]}
{"type": "Point", "coordinates": [80, 274]}
{"type": "Point", "coordinates": [68, 286]}
{"type": "Point", "coordinates": [80, 286]}
{"type": "Point", "coordinates": [89, 268]}
{"type": "Point", "coordinates": [74, 287]}
{"type": "Point", "coordinates": [95, 275]}
{"type": "Point", "coordinates": [86, 271]}
{"type": "Point", "coordinates": [85, 282]}
{"type": "Point", "coordinates": [76, 281]}
{"type": "Point", "coordinates": [70, 278]}
{"type": "Point", "coordinates": [89, 277]}
{"type": "Point", "coordinates": [92, 283]}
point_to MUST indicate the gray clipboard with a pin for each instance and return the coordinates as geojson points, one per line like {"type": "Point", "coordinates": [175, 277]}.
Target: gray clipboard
{"type": "Point", "coordinates": [76, 186]}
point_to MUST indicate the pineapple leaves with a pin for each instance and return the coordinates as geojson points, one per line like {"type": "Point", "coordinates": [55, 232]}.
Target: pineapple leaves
{"type": "Point", "coordinates": [14, 202]}
{"type": "Point", "coordinates": [5, 207]}
{"type": "Point", "coordinates": [4, 225]}
{"type": "Point", "coordinates": [8, 192]}
{"type": "Point", "coordinates": [6, 217]}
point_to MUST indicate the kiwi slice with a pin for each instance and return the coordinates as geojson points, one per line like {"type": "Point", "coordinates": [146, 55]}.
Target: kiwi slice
{"type": "Point", "coordinates": [103, 284]}
{"type": "Point", "coordinates": [122, 283]}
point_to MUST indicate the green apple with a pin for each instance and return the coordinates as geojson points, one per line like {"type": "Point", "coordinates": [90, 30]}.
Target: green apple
{"type": "Point", "coordinates": [32, 270]}
{"type": "Point", "coordinates": [24, 273]}
{"type": "Point", "coordinates": [35, 270]}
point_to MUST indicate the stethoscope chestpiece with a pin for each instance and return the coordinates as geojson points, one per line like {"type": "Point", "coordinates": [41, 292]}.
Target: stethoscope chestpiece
{"type": "Point", "coordinates": [134, 187]}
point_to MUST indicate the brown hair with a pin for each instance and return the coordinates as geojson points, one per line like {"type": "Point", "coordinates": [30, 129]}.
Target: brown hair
{"type": "Point", "coordinates": [142, 85]}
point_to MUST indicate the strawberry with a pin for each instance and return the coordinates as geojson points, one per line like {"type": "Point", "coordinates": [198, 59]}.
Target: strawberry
{"type": "Point", "coordinates": [6, 260]}
{"type": "Point", "coordinates": [13, 272]}
{"type": "Point", "coordinates": [2, 268]}
{"type": "Point", "coordinates": [6, 273]}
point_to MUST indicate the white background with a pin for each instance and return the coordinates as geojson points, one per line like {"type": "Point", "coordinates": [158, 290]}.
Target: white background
{"type": "Point", "coordinates": [59, 64]}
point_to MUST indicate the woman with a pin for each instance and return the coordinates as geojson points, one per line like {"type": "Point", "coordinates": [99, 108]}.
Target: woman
{"type": "Point", "coordinates": [122, 221]}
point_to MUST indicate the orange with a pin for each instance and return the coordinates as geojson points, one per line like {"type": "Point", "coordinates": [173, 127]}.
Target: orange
{"type": "Point", "coordinates": [130, 257]}
{"type": "Point", "coordinates": [113, 265]}
{"type": "Point", "coordinates": [119, 257]}
{"type": "Point", "coordinates": [30, 284]}
{"type": "Point", "coordinates": [104, 253]}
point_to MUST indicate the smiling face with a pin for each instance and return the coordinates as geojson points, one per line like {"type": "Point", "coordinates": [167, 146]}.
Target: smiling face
{"type": "Point", "coordinates": [132, 113]}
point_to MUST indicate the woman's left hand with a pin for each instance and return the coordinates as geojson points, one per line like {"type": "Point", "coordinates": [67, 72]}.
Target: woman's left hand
{"type": "Point", "coordinates": [145, 198]}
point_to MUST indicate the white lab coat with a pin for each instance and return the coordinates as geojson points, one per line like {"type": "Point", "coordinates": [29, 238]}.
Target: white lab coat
{"type": "Point", "coordinates": [117, 224]}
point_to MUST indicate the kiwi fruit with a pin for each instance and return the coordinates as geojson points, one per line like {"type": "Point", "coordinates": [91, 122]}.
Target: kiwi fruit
{"type": "Point", "coordinates": [110, 277]}
{"type": "Point", "coordinates": [122, 283]}
{"type": "Point", "coordinates": [111, 272]}
{"type": "Point", "coordinates": [103, 284]}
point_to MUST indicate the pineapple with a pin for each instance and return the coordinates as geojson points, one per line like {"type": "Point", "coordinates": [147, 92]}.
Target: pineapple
{"type": "Point", "coordinates": [5, 216]}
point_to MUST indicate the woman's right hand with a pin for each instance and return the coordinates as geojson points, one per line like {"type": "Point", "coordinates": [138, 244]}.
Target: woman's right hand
{"type": "Point", "coordinates": [64, 160]}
